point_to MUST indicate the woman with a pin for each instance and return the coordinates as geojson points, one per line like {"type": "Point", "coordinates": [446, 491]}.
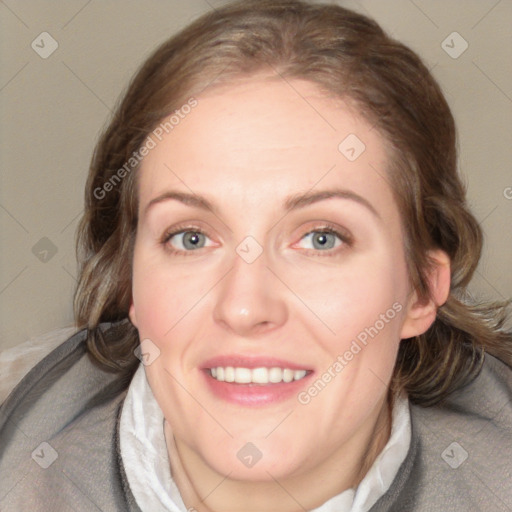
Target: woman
{"type": "Point", "coordinates": [274, 256]}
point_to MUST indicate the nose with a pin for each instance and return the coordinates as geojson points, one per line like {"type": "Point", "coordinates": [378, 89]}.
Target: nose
{"type": "Point", "coordinates": [251, 299]}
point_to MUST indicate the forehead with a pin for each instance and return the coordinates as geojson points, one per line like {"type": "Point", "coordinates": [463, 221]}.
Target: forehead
{"type": "Point", "coordinates": [266, 137]}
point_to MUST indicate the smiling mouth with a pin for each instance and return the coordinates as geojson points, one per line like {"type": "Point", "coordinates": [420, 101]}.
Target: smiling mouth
{"type": "Point", "coordinates": [262, 375]}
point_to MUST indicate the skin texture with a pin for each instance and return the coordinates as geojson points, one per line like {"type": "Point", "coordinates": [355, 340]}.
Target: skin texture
{"type": "Point", "coordinates": [246, 148]}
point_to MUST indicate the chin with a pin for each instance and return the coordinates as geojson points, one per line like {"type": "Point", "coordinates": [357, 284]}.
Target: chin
{"type": "Point", "coordinates": [259, 460]}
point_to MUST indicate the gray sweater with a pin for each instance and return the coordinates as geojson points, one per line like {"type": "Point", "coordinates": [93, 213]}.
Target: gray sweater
{"type": "Point", "coordinates": [59, 443]}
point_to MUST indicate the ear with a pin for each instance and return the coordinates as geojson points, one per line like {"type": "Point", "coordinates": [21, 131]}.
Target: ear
{"type": "Point", "coordinates": [131, 314]}
{"type": "Point", "coordinates": [421, 313]}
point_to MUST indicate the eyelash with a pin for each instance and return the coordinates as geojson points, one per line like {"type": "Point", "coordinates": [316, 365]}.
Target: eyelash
{"type": "Point", "coordinates": [345, 238]}
{"type": "Point", "coordinates": [176, 231]}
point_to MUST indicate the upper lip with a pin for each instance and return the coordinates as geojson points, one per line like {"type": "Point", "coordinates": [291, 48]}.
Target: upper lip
{"type": "Point", "coordinates": [241, 361]}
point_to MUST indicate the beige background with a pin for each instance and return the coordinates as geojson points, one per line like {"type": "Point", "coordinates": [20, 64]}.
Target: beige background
{"type": "Point", "coordinates": [53, 109]}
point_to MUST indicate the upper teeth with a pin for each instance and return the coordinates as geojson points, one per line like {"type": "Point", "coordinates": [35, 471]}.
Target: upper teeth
{"type": "Point", "coordinates": [256, 375]}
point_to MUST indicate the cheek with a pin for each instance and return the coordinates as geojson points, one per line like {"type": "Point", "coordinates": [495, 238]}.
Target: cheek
{"type": "Point", "coordinates": [163, 301]}
{"type": "Point", "coordinates": [162, 294]}
{"type": "Point", "coordinates": [151, 297]}
{"type": "Point", "coordinates": [352, 297]}
{"type": "Point", "coordinates": [364, 312]}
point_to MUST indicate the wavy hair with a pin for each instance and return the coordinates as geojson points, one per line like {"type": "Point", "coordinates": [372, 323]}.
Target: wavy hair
{"type": "Point", "coordinates": [350, 57]}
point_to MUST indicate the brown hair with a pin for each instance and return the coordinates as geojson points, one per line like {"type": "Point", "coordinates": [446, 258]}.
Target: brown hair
{"type": "Point", "coordinates": [350, 57]}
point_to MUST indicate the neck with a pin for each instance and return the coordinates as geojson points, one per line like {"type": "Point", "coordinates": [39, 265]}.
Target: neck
{"type": "Point", "coordinates": [204, 490]}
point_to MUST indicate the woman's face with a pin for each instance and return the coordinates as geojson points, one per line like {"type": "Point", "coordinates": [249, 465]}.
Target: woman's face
{"type": "Point", "coordinates": [269, 250]}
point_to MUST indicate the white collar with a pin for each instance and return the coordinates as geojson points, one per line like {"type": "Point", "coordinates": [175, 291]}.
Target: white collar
{"type": "Point", "coordinates": [146, 461]}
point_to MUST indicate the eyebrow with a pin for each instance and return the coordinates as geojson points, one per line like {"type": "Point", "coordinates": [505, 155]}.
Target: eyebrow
{"type": "Point", "coordinates": [293, 202]}
{"type": "Point", "coordinates": [301, 200]}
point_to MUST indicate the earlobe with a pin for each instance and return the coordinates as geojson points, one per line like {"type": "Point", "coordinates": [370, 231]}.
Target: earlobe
{"type": "Point", "coordinates": [422, 313]}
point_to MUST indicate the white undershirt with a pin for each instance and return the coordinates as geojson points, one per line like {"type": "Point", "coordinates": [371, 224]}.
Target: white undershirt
{"type": "Point", "coordinates": [146, 461]}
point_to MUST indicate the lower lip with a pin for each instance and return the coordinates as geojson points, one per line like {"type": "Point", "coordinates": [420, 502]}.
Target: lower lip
{"type": "Point", "coordinates": [255, 394]}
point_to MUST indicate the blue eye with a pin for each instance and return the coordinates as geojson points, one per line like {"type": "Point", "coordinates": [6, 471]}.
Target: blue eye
{"type": "Point", "coordinates": [185, 240]}
{"type": "Point", "coordinates": [324, 239]}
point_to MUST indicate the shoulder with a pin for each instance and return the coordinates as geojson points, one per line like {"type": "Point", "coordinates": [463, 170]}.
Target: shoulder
{"type": "Point", "coordinates": [58, 434]}
{"type": "Point", "coordinates": [464, 446]}
{"type": "Point", "coordinates": [479, 411]}
{"type": "Point", "coordinates": [18, 360]}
